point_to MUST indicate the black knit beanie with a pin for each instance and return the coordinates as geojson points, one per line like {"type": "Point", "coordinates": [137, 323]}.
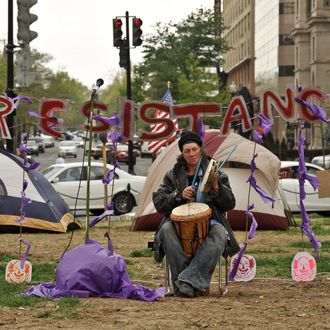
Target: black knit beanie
{"type": "Point", "coordinates": [188, 137]}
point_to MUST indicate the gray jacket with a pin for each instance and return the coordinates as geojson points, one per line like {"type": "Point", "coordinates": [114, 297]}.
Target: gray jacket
{"type": "Point", "coordinates": [168, 196]}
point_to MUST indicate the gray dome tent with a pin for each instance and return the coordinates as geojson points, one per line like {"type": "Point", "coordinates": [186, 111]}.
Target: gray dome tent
{"type": "Point", "coordinates": [47, 210]}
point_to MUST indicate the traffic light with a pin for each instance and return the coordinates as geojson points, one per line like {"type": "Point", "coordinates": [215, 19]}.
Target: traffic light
{"type": "Point", "coordinates": [117, 32]}
{"type": "Point", "coordinates": [24, 20]}
{"type": "Point", "coordinates": [137, 32]}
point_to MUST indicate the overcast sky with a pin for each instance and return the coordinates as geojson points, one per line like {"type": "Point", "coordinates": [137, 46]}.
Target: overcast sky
{"type": "Point", "coordinates": [78, 33]}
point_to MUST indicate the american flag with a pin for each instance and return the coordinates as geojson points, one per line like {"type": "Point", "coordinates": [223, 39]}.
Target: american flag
{"type": "Point", "coordinates": [154, 146]}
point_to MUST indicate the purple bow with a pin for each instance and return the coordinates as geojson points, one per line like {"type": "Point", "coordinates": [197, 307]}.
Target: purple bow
{"type": "Point", "coordinates": [26, 253]}
{"type": "Point", "coordinates": [112, 121]}
{"type": "Point", "coordinates": [109, 176]}
{"type": "Point", "coordinates": [201, 129]}
{"type": "Point", "coordinates": [317, 111]}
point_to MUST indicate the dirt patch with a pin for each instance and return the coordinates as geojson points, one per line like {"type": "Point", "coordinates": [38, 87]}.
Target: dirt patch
{"type": "Point", "coordinates": [272, 303]}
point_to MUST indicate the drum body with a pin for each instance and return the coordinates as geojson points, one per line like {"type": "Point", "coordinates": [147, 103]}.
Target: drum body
{"type": "Point", "coordinates": [191, 222]}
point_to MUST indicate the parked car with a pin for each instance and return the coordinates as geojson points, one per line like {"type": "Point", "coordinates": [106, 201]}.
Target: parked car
{"type": "Point", "coordinates": [40, 143]}
{"type": "Point", "coordinates": [79, 142]}
{"type": "Point", "coordinates": [48, 140]}
{"type": "Point", "coordinates": [322, 161]}
{"type": "Point", "coordinates": [32, 147]}
{"type": "Point", "coordinates": [65, 179]}
{"type": "Point", "coordinates": [122, 153]}
{"type": "Point", "coordinates": [67, 148]}
{"type": "Point", "coordinates": [289, 184]}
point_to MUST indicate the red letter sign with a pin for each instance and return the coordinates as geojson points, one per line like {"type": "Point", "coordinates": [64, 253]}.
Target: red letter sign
{"type": "Point", "coordinates": [4, 112]}
{"type": "Point", "coordinates": [102, 127]}
{"type": "Point", "coordinates": [47, 107]}
{"type": "Point", "coordinates": [243, 115]}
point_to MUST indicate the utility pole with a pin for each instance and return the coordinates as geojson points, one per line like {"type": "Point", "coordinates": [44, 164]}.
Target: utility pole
{"type": "Point", "coordinates": [10, 74]}
{"type": "Point", "coordinates": [125, 61]}
{"type": "Point", "coordinates": [129, 93]}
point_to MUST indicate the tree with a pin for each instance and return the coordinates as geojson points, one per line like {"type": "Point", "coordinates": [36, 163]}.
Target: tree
{"type": "Point", "coordinates": [188, 54]}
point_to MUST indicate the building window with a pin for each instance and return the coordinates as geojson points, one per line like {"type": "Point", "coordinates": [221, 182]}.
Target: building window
{"type": "Point", "coordinates": [286, 39]}
{"type": "Point", "coordinates": [286, 71]}
{"type": "Point", "coordinates": [287, 8]}
{"type": "Point", "coordinates": [326, 3]}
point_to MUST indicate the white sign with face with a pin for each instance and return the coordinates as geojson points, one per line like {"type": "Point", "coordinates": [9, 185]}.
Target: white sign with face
{"type": "Point", "coordinates": [303, 267]}
{"type": "Point", "coordinates": [247, 268]}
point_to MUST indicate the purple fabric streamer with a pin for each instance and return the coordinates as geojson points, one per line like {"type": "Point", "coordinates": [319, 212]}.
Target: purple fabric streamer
{"type": "Point", "coordinates": [302, 169]}
{"type": "Point", "coordinates": [233, 272]}
{"type": "Point", "coordinates": [109, 176]}
{"type": "Point", "coordinates": [264, 127]}
{"type": "Point", "coordinates": [307, 230]}
{"type": "Point", "coordinates": [30, 166]}
{"type": "Point", "coordinates": [112, 121]}
{"type": "Point", "coordinates": [16, 100]}
{"type": "Point", "coordinates": [201, 129]}
{"type": "Point", "coordinates": [302, 176]}
{"type": "Point", "coordinates": [317, 111]}
{"type": "Point", "coordinates": [91, 270]}
{"type": "Point", "coordinates": [110, 244]}
{"type": "Point", "coordinates": [253, 182]}
{"type": "Point", "coordinates": [36, 115]}
{"type": "Point", "coordinates": [25, 137]}
{"type": "Point", "coordinates": [101, 217]}
{"type": "Point", "coordinates": [254, 224]}
{"type": "Point", "coordinates": [26, 253]}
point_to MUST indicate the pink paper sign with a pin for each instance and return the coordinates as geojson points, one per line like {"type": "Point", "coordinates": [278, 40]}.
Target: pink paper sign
{"type": "Point", "coordinates": [303, 267]}
{"type": "Point", "coordinates": [16, 274]}
{"type": "Point", "coordinates": [247, 268]}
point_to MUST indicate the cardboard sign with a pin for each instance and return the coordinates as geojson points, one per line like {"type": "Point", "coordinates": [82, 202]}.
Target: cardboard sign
{"type": "Point", "coordinates": [324, 187]}
{"type": "Point", "coordinates": [247, 268]}
{"type": "Point", "coordinates": [303, 267]}
{"type": "Point", "coordinates": [16, 274]}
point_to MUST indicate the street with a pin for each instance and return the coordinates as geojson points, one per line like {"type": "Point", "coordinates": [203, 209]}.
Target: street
{"type": "Point", "coordinates": [49, 156]}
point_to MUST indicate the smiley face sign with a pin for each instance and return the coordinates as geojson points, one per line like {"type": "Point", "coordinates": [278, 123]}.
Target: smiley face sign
{"type": "Point", "coordinates": [247, 268]}
{"type": "Point", "coordinates": [16, 274]}
{"type": "Point", "coordinates": [303, 267]}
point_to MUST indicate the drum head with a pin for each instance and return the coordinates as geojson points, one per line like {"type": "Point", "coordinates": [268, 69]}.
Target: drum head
{"type": "Point", "coordinates": [207, 175]}
{"type": "Point", "coordinates": [190, 209]}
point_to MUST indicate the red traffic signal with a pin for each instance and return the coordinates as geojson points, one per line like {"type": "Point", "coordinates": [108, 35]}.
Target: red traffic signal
{"type": "Point", "coordinates": [137, 32]}
{"type": "Point", "coordinates": [117, 32]}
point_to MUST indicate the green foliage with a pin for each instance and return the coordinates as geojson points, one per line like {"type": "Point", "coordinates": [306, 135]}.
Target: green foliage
{"type": "Point", "coordinates": [188, 55]}
{"type": "Point", "coordinates": [141, 253]}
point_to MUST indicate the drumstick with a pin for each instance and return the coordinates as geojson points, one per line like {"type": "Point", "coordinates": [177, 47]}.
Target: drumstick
{"type": "Point", "coordinates": [223, 162]}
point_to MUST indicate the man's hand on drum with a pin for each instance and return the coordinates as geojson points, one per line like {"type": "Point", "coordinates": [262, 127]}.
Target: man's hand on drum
{"type": "Point", "coordinates": [188, 193]}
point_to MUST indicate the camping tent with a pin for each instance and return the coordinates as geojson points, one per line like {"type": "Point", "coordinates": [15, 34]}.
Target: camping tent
{"type": "Point", "coordinates": [268, 215]}
{"type": "Point", "coordinates": [47, 211]}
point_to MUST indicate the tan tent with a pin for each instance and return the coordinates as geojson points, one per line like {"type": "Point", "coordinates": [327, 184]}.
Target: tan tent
{"type": "Point", "coordinates": [268, 215]}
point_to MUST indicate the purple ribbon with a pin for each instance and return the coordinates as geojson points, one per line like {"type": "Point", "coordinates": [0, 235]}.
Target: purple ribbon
{"type": "Point", "coordinates": [307, 230]}
{"type": "Point", "coordinates": [254, 224]}
{"type": "Point", "coordinates": [26, 253]}
{"type": "Point", "coordinates": [233, 272]}
{"type": "Point", "coordinates": [112, 121]}
{"type": "Point", "coordinates": [317, 111]}
{"type": "Point", "coordinates": [302, 176]}
{"type": "Point", "coordinates": [201, 129]}
{"type": "Point", "coordinates": [109, 176]}
{"type": "Point", "coordinates": [302, 170]}
{"type": "Point", "coordinates": [253, 182]}
{"type": "Point", "coordinates": [30, 166]}
{"type": "Point", "coordinates": [110, 244]}
{"type": "Point", "coordinates": [101, 217]}
{"type": "Point", "coordinates": [264, 127]}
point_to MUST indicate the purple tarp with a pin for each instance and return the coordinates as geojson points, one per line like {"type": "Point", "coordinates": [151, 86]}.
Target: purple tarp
{"type": "Point", "coordinates": [92, 270]}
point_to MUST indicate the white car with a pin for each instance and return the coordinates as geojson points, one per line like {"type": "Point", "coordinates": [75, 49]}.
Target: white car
{"type": "Point", "coordinates": [67, 148]}
{"type": "Point", "coordinates": [289, 184]}
{"type": "Point", "coordinates": [322, 161]}
{"type": "Point", "coordinates": [65, 179]}
{"type": "Point", "coordinates": [79, 142]}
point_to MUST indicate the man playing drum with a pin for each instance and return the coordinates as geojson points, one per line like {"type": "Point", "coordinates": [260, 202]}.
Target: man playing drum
{"type": "Point", "coordinates": [191, 274]}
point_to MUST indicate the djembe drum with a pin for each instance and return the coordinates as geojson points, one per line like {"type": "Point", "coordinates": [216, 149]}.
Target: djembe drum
{"type": "Point", "coordinates": [191, 222]}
